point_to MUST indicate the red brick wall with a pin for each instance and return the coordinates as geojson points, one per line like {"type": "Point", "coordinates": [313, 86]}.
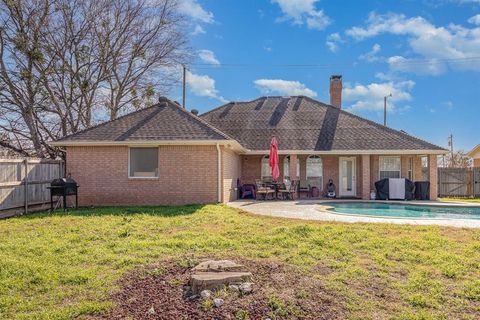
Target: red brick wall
{"type": "Point", "coordinates": [404, 166]}
{"type": "Point", "coordinates": [364, 175]}
{"type": "Point", "coordinates": [330, 170]}
{"type": "Point", "coordinates": [251, 168]}
{"type": "Point", "coordinates": [231, 168]}
{"type": "Point", "coordinates": [417, 168]}
{"type": "Point", "coordinates": [302, 159]}
{"type": "Point", "coordinates": [187, 174]}
{"type": "Point", "coordinates": [374, 167]}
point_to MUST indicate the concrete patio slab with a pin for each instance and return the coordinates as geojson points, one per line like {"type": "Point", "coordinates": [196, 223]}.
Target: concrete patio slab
{"type": "Point", "coordinates": [313, 210]}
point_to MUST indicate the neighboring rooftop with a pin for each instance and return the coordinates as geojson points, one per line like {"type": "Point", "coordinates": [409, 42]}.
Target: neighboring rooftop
{"type": "Point", "coordinates": [163, 121]}
{"type": "Point", "coordinates": [301, 123]}
{"type": "Point", "coordinates": [475, 152]}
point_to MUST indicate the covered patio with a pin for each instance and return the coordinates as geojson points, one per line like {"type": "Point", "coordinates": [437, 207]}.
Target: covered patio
{"type": "Point", "coordinates": [353, 175]}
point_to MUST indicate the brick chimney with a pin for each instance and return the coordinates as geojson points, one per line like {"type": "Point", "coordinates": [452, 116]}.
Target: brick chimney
{"type": "Point", "coordinates": [336, 91]}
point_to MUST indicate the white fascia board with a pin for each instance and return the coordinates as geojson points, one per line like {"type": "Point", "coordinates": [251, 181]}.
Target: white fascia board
{"type": "Point", "coordinates": [233, 144]}
{"type": "Point", "coordinates": [351, 152]}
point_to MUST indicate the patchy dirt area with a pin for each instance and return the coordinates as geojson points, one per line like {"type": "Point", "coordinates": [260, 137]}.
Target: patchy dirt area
{"type": "Point", "coordinates": [280, 292]}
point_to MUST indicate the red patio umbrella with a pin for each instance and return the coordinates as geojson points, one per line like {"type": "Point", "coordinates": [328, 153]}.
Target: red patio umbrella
{"type": "Point", "coordinates": [273, 160]}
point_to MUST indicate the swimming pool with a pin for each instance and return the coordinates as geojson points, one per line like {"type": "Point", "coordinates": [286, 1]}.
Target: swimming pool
{"type": "Point", "coordinates": [397, 210]}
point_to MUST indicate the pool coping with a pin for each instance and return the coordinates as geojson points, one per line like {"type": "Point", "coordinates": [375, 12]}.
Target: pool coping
{"type": "Point", "coordinates": [327, 209]}
{"type": "Point", "coordinates": [309, 210]}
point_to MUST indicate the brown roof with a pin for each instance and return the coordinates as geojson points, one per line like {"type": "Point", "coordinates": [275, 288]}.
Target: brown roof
{"type": "Point", "coordinates": [163, 121]}
{"type": "Point", "coordinates": [301, 123]}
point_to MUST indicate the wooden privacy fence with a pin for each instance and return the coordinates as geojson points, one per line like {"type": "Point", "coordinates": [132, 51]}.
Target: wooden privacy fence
{"type": "Point", "coordinates": [461, 182]}
{"type": "Point", "coordinates": [24, 182]}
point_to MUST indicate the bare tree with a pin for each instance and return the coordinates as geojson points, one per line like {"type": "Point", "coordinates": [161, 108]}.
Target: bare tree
{"type": "Point", "coordinates": [143, 40]}
{"type": "Point", "coordinates": [22, 24]}
{"type": "Point", "coordinates": [62, 61]}
{"type": "Point", "coordinates": [459, 159]}
{"type": "Point", "coordinates": [73, 78]}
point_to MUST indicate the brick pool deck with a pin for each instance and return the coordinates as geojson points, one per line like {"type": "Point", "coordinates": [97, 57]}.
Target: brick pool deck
{"type": "Point", "coordinates": [313, 210]}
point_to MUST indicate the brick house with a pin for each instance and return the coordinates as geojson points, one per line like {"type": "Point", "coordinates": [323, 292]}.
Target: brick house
{"type": "Point", "coordinates": [166, 155]}
{"type": "Point", "coordinates": [475, 155]}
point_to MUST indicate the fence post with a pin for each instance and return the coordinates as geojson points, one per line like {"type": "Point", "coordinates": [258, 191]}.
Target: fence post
{"type": "Point", "coordinates": [25, 180]}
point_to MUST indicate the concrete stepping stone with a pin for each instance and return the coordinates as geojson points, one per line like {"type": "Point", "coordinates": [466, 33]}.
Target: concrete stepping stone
{"type": "Point", "coordinates": [216, 280]}
{"type": "Point", "coordinates": [217, 266]}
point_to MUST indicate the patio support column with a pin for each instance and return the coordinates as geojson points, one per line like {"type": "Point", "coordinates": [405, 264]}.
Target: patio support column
{"type": "Point", "coordinates": [365, 176]}
{"type": "Point", "coordinates": [293, 167]}
{"type": "Point", "coordinates": [432, 176]}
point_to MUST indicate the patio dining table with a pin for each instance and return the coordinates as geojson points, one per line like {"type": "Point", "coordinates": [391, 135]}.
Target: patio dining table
{"type": "Point", "coordinates": [276, 186]}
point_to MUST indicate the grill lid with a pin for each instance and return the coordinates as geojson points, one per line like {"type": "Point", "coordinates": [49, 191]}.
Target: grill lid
{"type": "Point", "coordinates": [62, 182]}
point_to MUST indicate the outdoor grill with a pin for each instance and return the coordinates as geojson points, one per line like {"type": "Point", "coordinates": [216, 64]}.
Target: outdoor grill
{"type": "Point", "coordinates": [62, 188]}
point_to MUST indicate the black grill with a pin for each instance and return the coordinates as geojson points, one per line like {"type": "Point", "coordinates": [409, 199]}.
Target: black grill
{"type": "Point", "coordinates": [63, 187]}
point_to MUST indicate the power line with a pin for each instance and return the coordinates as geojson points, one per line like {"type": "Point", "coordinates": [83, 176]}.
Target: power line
{"type": "Point", "coordinates": [330, 65]}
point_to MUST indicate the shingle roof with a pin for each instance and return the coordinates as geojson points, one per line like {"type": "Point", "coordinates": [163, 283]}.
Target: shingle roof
{"type": "Point", "coordinates": [301, 123]}
{"type": "Point", "coordinates": [163, 121]}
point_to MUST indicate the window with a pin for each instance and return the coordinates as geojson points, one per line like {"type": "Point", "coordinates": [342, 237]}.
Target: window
{"type": "Point", "coordinates": [315, 171]}
{"type": "Point", "coordinates": [143, 163]}
{"type": "Point", "coordinates": [286, 168]}
{"type": "Point", "coordinates": [410, 168]}
{"type": "Point", "coordinates": [266, 171]}
{"type": "Point", "coordinates": [389, 167]}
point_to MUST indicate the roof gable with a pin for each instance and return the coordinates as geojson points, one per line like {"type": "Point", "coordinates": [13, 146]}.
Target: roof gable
{"type": "Point", "coordinates": [301, 123]}
{"type": "Point", "coordinates": [475, 152]}
{"type": "Point", "coordinates": [165, 121]}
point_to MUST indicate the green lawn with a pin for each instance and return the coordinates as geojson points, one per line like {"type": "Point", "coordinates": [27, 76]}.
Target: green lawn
{"type": "Point", "coordinates": [56, 266]}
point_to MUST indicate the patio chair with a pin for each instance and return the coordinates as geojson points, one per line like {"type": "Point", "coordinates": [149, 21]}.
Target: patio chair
{"type": "Point", "coordinates": [248, 191]}
{"type": "Point", "coordinates": [303, 189]}
{"type": "Point", "coordinates": [263, 190]}
{"type": "Point", "coordinates": [289, 189]}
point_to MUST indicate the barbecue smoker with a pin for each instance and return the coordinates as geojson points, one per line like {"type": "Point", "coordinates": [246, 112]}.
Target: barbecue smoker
{"type": "Point", "coordinates": [62, 188]}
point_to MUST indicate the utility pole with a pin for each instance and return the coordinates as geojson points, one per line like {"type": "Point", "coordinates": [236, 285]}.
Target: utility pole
{"type": "Point", "coordinates": [450, 144]}
{"type": "Point", "coordinates": [184, 88]}
{"type": "Point", "coordinates": [385, 109]}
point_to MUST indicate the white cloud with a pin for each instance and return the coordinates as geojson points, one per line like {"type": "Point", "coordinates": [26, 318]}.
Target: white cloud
{"type": "Point", "coordinates": [283, 87]}
{"type": "Point", "coordinates": [333, 40]}
{"type": "Point", "coordinates": [418, 66]}
{"type": "Point", "coordinates": [195, 11]}
{"type": "Point", "coordinates": [303, 12]}
{"type": "Point", "coordinates": [198, 30]}
{"type": "Point", "coordinates": [448, 104]}
{"type": "Point", "coordinates": [208, 56]}
{"type": "Point", "coordinates": [370, 96]}
{"type": "Point", "coordinates": [203, 86]}
{"type": "Point", "coordinates": [475, 19]}
{"type": "Point", "coordinates": [371, 56]}
{"type": "Point", "coordinates": [436, 48]}
{"type": "Point", "coordinates": [385, 76]}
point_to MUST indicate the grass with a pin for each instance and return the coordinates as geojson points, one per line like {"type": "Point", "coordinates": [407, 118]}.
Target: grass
{"type": "Point", "coordinates": [452, 199]}
{"type": "Point", "coordinates": [62, 266]}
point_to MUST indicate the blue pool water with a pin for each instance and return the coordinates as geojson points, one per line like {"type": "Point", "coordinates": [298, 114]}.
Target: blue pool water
{"type": "Point", "coordinates": [404, 210]}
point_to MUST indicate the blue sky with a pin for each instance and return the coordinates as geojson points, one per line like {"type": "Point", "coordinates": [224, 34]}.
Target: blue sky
{"type": "Point", "coordinates": [426, 53]}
